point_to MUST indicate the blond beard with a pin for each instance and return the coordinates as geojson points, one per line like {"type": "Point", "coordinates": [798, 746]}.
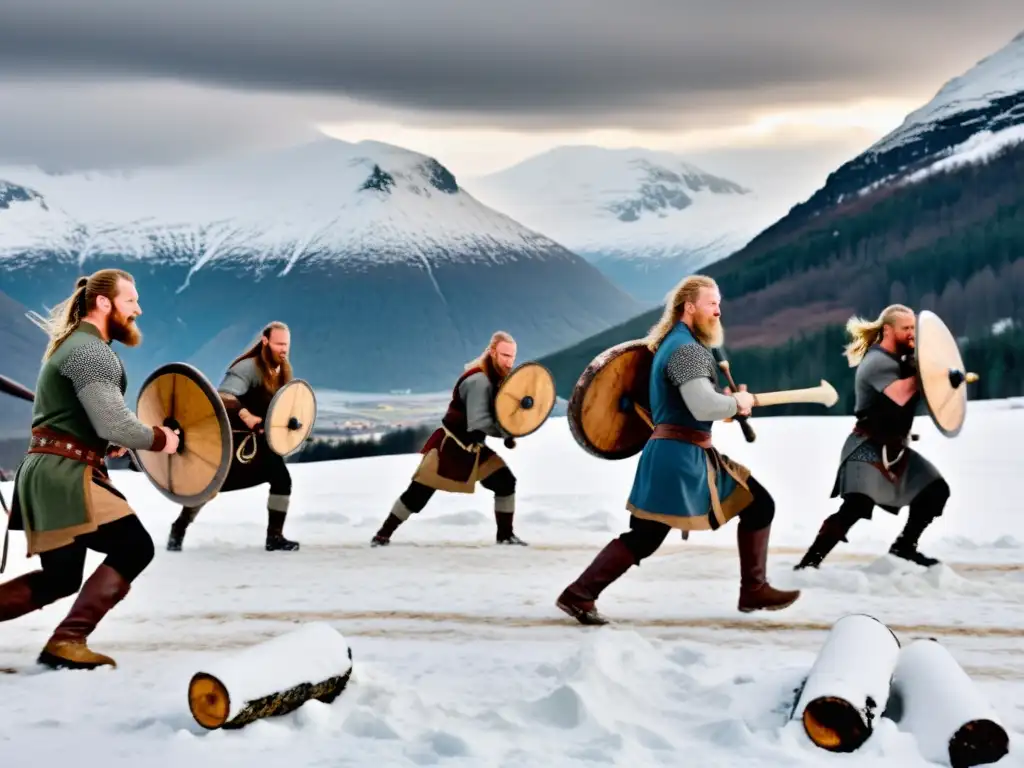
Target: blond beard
{"type": "Point", "coordinates": [709, 331]}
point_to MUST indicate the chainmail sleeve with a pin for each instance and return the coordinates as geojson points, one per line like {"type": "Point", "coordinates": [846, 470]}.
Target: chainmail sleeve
{"type": "Point", "coordinates": [691, 368]}
{"type": "Point", "coordinates": [95, 374]}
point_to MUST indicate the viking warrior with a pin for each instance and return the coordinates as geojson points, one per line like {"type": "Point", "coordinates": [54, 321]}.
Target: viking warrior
{"type": "Point", "coordinates": [64, 499]}
{"type": "Point", "coordinates": [251, 382]}
{"type": "Point", "coordinates": [455, 456]}
{"type": "Point", "coordinates": [876, 464]}
{"type": "Point", "coordinates": [681, 480]}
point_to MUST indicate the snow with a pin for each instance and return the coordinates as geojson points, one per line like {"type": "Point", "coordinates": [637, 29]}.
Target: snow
{"type": "Point", "coordinates": [571, 194]}
{"type": "Point", "coordinates": [855, 665]}
{"type": "Point", "coordinates": [299, 204]}
{"type": "Point", "coordinates": [936, 698]}
{"type": "Point", "coordinates": [313, 653]}
{"type": "Point", "coordinates": [997, 75]}
{"type": "Point", "coordinates": [979, 148]}
{"type": "Point", "coordinates": [461, 658]}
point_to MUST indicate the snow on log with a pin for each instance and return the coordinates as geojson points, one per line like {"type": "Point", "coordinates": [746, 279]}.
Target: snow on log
{"type": "Point", "coordinates": [848, 686]}
{"type": "Point", "coordinates": [272, 678]}
{"type": "Point", "coordinates": [940, 705]}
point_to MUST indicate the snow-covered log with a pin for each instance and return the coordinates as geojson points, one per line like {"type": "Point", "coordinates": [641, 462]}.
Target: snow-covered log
{"type": "Point", "coordinates": [939, 704]}
{"type": "Point", "coordinates": [272, 678]}
{"type": "Point", "coordinates": [848, 686]}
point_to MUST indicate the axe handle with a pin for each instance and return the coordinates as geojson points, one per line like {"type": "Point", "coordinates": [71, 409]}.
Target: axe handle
{"type": "Point", "coordinates": [13, 388]}
{"type": "Point", "coordinates": [748, 431]}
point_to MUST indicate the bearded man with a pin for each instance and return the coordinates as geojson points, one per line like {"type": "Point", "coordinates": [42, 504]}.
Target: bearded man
{"type": "Point", "coordinates": [251, 382]}
{"type": "Point", "coordinates": [64, 499]}
{"type": "Point", "coordinates": [876, 464]}
{"type": "Point", "coordinates": [455, 456]}
{"type": "Point", "coordinates": [681, 480]}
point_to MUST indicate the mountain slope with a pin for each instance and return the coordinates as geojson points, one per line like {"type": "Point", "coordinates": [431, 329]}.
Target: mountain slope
{"type": "Point", "coordinates": [943, 232]}
{"type": "Point", "coordinates": [22, 344]}
{"type": "Point", "coordinates": [642, 217]}
{"type": "Point", "coordinates": [390, 275]}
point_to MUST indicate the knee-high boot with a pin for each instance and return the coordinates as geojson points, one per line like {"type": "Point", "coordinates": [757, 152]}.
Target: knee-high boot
{"type": "Point", "coordinates": [755, 591]}
{"type": "Point", "coordinates": [579, 598]}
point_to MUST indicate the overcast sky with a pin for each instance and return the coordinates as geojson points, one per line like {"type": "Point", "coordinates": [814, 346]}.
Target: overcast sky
{"type": "Point", "coordinates": [479, 83]}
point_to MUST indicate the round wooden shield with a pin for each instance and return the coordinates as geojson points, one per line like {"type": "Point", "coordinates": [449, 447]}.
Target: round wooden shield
{"type": "Point", "coordinates": [178, 396]}
{"type": "Point", "coordinates": [290, 417]}
{"type": "Point", "coordinates": [609, 408]}
{"type": "Point", "coordinates": [940, 374]}
{"type": "Point", "coordinates": [525, 399]}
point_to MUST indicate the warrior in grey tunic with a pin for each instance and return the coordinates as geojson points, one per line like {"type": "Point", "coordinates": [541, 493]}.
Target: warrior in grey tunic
{"type": "Point", "coordinates": [877, 466]}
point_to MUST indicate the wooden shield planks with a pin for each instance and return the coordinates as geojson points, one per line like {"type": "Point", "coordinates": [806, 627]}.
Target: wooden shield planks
{"type": "Point", "coordinates": [178, 396]}
{"type": "Point", "coordinates": [290, 417]}
{"type": "Point", "coordinates": [609, 410]}
{"type": "Point", "coordinates": [940, 372]}
{"type": "Point", "coordinates": [525, 399]}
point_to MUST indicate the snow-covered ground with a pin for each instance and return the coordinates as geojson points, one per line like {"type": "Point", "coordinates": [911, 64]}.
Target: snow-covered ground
{"type": "Point", "coordinates": [461, 658]}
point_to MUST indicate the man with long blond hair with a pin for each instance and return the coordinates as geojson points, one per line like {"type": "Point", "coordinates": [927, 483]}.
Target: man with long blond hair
{"type": "Point", "coordinates": [681, 480]}
{"type": "Point", "coordinates": [877, 466]}
{"type": "Point", "coordinates": [456, 457]}
{"type": "Point", "coordinates": [64, 499]}
{"type": "Point", "coordinates": [251, 381]}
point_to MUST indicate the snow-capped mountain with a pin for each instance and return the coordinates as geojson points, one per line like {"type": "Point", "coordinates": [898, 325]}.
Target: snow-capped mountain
{"type": "Point", "coordinates": [971, 117]}
{"type": "Point", "coordinates": [645, 218]}
{"type": "Point", "coordinates": [390, 275]}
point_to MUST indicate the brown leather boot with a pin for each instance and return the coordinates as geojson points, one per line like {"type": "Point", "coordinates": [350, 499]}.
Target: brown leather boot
{"type": "Point", "coordinates": [755, 591]}
{"type": "Point", "coordinates": [16, 597]}
{"type": "Point", "coordinates": [578, 599]}
{"type": "Point", "coordinates": [66, 648]}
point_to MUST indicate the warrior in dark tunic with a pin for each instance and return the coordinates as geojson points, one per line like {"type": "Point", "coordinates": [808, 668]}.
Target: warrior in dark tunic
{"type": "Point", "coordinates": [455, 456]}
{"type": "Point", "coordinates": [682, 481]}
{"type": "Point", "coordinates": [64, 499]}
{"type": "Point", "coordinates": [249, 385]}
{"type": "Point", "coordinates": [877, 466]}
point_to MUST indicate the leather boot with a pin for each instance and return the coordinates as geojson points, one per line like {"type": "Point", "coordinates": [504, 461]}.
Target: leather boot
{"type": "Point", "coordinates": [504, 513]}
{"type": "Point", "coordinates": [67, 647]}
{"type": "Point", "coordinates": [832, 531]}
{"type": "Point", "coordinates": [755, 591]}
{"type": "Point", "coordinates": [179, 526]}
{"type": "Point", "coordinates": [275, 533]}
{"type": "Point", "coordinates": [578, 599]}
{"type": "Point", "coordinates": [17, 597]}
{"type": "Point", "coordinates": [399, 514]}
{"type": "Point", "coordinates": [905, 545]}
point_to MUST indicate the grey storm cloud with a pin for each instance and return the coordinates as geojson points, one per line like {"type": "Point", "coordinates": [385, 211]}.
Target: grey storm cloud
{"type": "Point", "coordinates": [122, 82]}
{"type": "Point", "coordinates": [524, 57]}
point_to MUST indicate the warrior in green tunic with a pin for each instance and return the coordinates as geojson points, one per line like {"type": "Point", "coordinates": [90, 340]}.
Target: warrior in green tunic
{"type": "Point", "coordinates": [249, 385]}
{"type": "Point", "coordinates": [877, 466]}
{"type": "Point", "coordinates": [64, 500]}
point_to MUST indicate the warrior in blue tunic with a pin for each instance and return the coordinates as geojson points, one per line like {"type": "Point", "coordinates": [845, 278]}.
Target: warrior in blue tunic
{"type": "Point", "coordinates": [681, 480]}
{"type": "Point", "coordinates": [877, 466]}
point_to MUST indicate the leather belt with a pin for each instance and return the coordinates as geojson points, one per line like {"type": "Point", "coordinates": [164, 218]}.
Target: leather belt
{"type": "Point", "coordinates": [697, 437]}
{"type": "Point", "coordinates": [58, 444]}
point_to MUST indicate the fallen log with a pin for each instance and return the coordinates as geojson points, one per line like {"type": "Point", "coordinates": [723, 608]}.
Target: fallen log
{"type": "Point", "coordinates": [936, 701]}
{"type": "Point", "coordinates": [848, 685]}
{"type": "Point", "coordinates": [271, 678]}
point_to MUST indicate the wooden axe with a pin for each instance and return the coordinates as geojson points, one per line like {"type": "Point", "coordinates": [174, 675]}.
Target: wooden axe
{"type": "Point", "coordinates": [723, 363]}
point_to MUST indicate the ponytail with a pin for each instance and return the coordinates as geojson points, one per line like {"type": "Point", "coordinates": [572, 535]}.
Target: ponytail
{"type": "Point", "coordinates": [64, 319]}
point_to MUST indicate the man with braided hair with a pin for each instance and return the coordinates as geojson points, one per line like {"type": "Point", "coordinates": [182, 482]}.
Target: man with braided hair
{"type": "Point", "coordinates": [876, 464]}
{"type": "Point", "coordinates": [63, 497]}
{"type": "Point", "coordinates": [681, 480]}
{"type": "Point", "coordinates": [455, 456]}
{"type": "Point", "coordinates": [251, 382]}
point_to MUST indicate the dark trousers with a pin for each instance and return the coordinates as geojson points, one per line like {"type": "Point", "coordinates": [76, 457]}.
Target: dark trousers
{"type": "Point", "coordinates": [645, 536]}
{"type": "Point", "coordinates": [502, 484]}
{"type": "Point", "coordinates": [126, 543]}
{"type": "Point", "coordinates": [926, 506]}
